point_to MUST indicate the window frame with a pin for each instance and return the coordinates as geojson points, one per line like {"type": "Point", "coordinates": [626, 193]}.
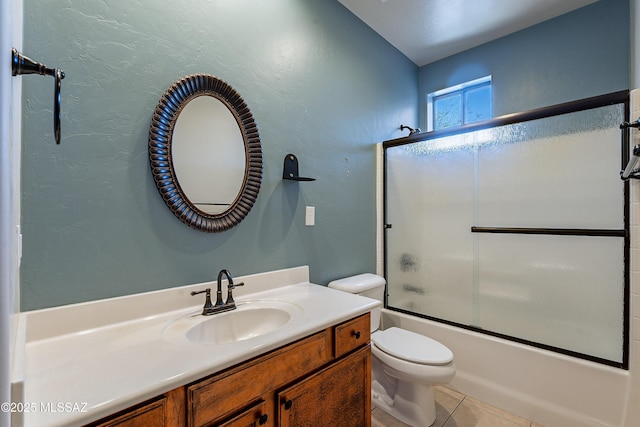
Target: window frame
{"type": "Point", "coordinates": [461, 88]}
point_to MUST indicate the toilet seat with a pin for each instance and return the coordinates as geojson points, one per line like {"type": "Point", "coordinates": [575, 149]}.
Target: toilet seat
{"type": "Point", "coordinates": [411, 347]}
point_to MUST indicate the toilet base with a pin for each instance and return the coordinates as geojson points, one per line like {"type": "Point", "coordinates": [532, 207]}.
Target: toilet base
{"type": "Point", "coordinates": [413, 404]}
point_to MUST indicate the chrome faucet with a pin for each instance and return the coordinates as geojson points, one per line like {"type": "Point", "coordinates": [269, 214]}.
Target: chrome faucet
{"type": "Point", "coordinates": [230, 303]}
{"type": "Point", "coordinates": [219, 306]}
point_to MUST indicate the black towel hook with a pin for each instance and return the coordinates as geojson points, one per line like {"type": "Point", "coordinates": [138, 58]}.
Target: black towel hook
{"type": "Point", "coordinates": [20, 64]}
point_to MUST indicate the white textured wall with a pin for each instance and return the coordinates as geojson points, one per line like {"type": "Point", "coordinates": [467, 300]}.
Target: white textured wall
{"type": "Point", "coordinates": [5, 281]}
{"type": "Point", "coordinates": [10, 125]}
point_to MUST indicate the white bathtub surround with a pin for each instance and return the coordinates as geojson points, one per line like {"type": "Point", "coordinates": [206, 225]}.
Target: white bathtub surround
{"type": "Point", "coordinates": [546, 387]}
{"type": "Point", "coordinates": [104, 356]}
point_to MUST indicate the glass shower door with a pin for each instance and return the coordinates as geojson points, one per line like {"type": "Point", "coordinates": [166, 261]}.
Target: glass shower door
{"type": "Point", "coordinates": [516, 230]}
{"type": "Point", "coordinates": [429, 247]}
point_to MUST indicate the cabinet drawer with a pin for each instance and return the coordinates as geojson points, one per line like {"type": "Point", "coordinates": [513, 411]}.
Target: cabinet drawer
{"type": "Point", "coordinates": [223, 394]}
{"type": "Point", "coordinates": [255, 416]}
{"type": "Point", "coordinates": [352, 334]}
{"type": "Point", "coordinates": [166, 410]}
{"type": "Point", "coordinates": [151, 414]}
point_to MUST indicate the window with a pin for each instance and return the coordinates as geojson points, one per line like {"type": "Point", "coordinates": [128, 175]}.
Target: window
{"type": "Point", "coordinates": [468, 102]}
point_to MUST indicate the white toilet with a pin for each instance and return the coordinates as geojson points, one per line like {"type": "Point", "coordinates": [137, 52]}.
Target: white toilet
{"type": "Point", "coordinates": [405, 365]}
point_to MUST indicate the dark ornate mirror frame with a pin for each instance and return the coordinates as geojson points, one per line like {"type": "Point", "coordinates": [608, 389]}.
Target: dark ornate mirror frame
{"type": "Point", "coordinates": [160, 157]}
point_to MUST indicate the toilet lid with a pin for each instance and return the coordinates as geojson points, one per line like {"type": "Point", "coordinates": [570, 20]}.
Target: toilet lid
{"type": "Point", "coordinates": [412, 347]}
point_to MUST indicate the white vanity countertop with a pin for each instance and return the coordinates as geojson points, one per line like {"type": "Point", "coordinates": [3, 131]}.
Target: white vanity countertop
{"type": "Point", "coordinates": [81, 367]}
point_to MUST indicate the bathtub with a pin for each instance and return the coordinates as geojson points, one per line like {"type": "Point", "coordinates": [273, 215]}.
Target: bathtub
{"type": "Point", "coordinates": [551, 389]}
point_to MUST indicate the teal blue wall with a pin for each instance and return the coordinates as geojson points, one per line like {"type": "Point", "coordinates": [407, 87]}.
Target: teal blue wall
{"type": "Point", "coordinates": [577, 55]}
{"type": "Point", "coordinates": [319, 82]}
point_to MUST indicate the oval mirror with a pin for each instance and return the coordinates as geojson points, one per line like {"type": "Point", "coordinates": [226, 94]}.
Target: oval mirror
{"type": "Point", "coordinates": [205, 153]}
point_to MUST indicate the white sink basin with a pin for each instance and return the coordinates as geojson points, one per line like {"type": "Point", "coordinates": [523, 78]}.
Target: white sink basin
{"type": "Point", "coordinates": [250, 320]}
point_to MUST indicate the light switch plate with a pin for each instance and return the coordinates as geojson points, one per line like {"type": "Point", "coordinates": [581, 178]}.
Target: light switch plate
{"type": "Point", "coordinates": [310, 216]}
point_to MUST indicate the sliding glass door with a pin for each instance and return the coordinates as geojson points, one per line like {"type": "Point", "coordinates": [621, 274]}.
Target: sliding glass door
{"type": "Point", "coordinates": [517, 230]}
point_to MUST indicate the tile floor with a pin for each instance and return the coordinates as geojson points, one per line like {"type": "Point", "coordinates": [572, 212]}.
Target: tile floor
{"type": "Point", "coordinates": [454, 409]}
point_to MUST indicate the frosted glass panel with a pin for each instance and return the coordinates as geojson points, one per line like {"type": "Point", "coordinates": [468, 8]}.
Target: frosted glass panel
{"type": "Point", "coordinates": [429, 247]}
{"type": "Point", "coordinates": [560, 172]}
{"type": "Point", "coordinates": [562, 291]}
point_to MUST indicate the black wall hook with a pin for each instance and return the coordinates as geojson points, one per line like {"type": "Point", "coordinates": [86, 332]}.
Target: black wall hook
{"type": "Point", "coordinates": [290, 169]}
{"type": "Point", "coordinates": [20, 64]}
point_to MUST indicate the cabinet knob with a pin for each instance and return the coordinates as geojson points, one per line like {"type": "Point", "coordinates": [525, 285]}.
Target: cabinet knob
{"type": "Point", "coordinates": [288, 404]}
{"type": "Point", "coordinates": [357, 334]}
{"type": "Point", "coordinates": [262, 420]}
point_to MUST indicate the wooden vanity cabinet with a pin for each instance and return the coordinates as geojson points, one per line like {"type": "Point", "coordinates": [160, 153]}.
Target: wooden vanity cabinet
{"type": "Point", "coordinates": [321, 380]}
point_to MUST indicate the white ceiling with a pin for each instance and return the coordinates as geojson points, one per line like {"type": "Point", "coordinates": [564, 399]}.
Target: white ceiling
{"type": "Point", "coordinates": [428, 30]}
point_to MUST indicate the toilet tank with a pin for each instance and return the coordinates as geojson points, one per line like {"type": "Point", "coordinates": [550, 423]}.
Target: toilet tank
{"type": "Point", "coordinates": [367, 285]}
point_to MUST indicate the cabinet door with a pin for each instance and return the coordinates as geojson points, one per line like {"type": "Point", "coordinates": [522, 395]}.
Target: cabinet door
{"type": "Point", "coordinates": [339, 395]}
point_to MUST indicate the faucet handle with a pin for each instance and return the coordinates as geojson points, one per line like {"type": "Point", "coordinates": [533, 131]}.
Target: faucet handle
{"type": "Point", "coordinates": [234, 285]}
{"type": "Point", "coordinates": [230, 287]}
{"type": "Point", "coordinates": [208, 306]}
